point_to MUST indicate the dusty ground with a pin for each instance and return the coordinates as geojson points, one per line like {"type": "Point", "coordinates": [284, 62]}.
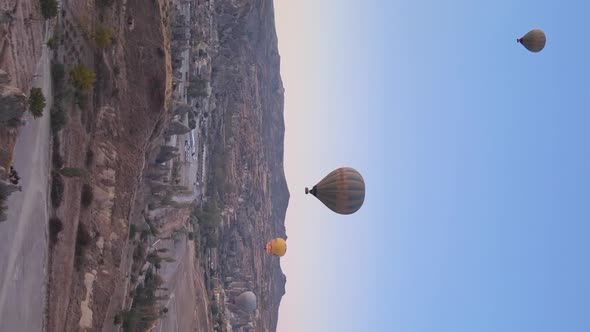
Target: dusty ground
{"type": "Point", "coordinates": [125, 109]}
{"type": "Point", "coordinates": [21, 43]}
{"type": "Point", "coordinates": [23, 238]}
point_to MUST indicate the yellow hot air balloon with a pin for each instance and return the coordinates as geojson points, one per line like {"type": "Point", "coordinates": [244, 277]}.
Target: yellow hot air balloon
{"type": "Point", "coordinates": [276, 247]}
{"type": "Point", "coordinates": [342, 191]}
{"type": "Point", "coordinates": [534, 40]}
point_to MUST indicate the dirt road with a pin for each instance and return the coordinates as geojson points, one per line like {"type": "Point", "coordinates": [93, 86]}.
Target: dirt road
{"type": "Point", "coordinates": [23, 237]}
{"type": "Point", "coordinates": [188, 306]}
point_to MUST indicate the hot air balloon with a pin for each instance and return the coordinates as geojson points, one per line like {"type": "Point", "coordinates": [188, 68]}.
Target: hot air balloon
{"type": "Point", "coordinates": [246, 301]}
{"type": "Point", "coordinates": [534, 40]}
{"type": "Point", "coordinates": [342, 191]}
{"type": "Point", "coordinates": [276, 247]}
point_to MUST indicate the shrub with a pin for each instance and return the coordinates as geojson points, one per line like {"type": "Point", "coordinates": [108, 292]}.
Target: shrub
{"type": "Point", "coordinates": [49, 8]}
{"type": "Point", "coordinates": [103, 36]}
{"type": "Point", "coordinates": [138, 253]}
{"type": "Point", "coordinates": [130, 320]}
{"type": "Point", "coordinates": [55, 226]}
{"type": "Point", "coordinates": [58, 72]}
{"type": "Point", "coordinates": [82, 77]}
{"type": "Point", "coordinates": [210, 216]}
{"type": "Point", "coordinates": [212, 239]}
{"type": "Point", "coordinates": [166, 153]}
{"type": "Point", "coordinates": [57, 190]}
{"type": "Point", "coordinates": [52, 43]}
{"type": "Point", "coordinates": [154, 258]}
{"type": "Point", "coordinates": [4, 193]}
{"type": "Point", "coordinates": [57, 159]}
{"type": "Point", "coordinates": [118, 319]}
{"type": "Point", "coordinates": [83, 239]}
{"type": "Point", "coordinates": [3, 209]}
{"type": "Point", "coordinates": [192, 123]}
{"type": "Point", "coordinates": [14, 123]}
{"type": "Point", "coordinates": [144, 235]}
{"type": "Point", "coordinates": [36, 102]}
{"type": "Point", "coordinates": [72, 172]}
{"type": "Point", "coordinates": [228, 187]}
{"type": "Point", "coordinates": [5, 157]}
{"type": "Point", "coordinates": [105, 3]}
{"type": "Point", "coordinates": [59, 119]}
{"type": "Point", "coordinates": [89, 157]}
{"type": "Point", "coordinates": [214, 309]}
{"type": "Point", "coordinates": [87, 195]}
{"type": "Point", "coordinates": [197, 88]}
{"type": "Point", "coordinates": [132, 231]}
{"type": "Point", "coordinates": [81, 99]}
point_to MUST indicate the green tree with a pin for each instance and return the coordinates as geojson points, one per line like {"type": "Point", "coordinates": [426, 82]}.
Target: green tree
{"type": "Point", "coordinates": [103, 36]}
{"type": "Point", "coordinates": [36, 102]}
{"type": "Point", "coordinates": [49, 8]}
{"type": "Point", "coordinates": [52, 43]}
{"type": "Point", "coordinates": [82, 77]}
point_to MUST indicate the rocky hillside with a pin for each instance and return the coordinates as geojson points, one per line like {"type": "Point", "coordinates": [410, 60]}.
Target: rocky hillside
{"type": "Point", "coordinates": [249, 95]}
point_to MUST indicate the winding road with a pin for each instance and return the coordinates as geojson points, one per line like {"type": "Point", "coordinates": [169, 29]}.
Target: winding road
{"type": "Point", "coordinates": [23, 236]}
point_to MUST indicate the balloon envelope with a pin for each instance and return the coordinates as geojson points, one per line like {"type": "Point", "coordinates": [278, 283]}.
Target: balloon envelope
{"type": "Point", "coordinates": [246, 301]}
{"type": "Point", "coordinates": [533, 40]}
{"type": "Point", "coordinates": [342, 191]}
{"type": "Point", "coordinates": [277, 247]}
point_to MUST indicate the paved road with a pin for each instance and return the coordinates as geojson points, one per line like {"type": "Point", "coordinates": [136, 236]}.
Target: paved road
{"type": "Point", "coordinates": [23, 237]}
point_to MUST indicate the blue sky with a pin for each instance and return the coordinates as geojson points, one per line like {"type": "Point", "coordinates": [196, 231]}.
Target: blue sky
{"type": "Point", "coordinates": [475, 155]}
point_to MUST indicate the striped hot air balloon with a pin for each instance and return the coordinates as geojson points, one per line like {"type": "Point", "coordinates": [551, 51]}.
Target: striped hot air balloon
{"type": "Point", "coordinates": [342, 191]}
{"type": "Point", "coordinates": [534, 40]}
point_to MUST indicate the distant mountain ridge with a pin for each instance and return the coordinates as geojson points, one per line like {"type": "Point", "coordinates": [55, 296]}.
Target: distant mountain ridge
{"type": "Point", "coordinates": [248, 89]}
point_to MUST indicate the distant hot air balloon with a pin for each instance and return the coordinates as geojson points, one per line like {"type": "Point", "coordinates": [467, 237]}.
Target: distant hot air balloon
{"type": "Point", "coordinates": [342, 191]}
{"type": "Point", "coordinates": [276, 247]}
{"type": "Point", "coordinates": [246, 301]}
{"type": "Point", "coordinates": [534, 40]}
